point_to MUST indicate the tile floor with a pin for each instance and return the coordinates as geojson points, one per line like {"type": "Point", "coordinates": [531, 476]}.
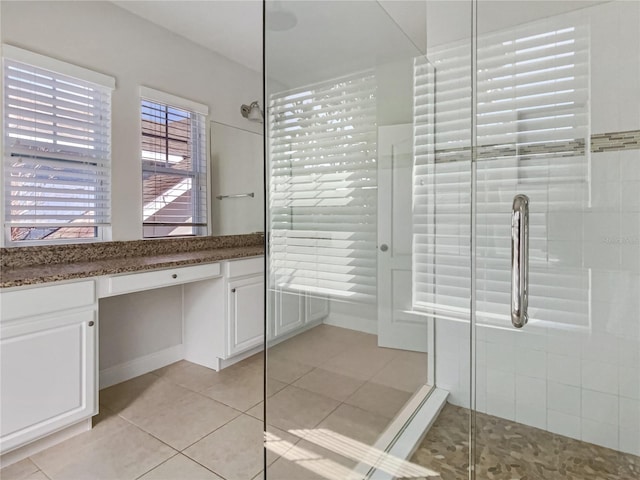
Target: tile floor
{"type": "Point", "coordinates": [342, 392]}
{"type": "Point", "coordinates": [330, 392]}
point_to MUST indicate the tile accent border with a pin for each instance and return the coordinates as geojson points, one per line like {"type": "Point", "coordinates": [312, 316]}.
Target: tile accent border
{"type": "Point", "coordinates": [606, 142]}
{"type": "Point", "coordinates": [601, 142]}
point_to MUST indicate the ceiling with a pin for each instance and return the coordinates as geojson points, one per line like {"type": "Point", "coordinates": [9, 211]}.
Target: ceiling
{"type": "Point", "coordinates": [333, 36]}
{"type": "Point", "coordinates": [232, 28]}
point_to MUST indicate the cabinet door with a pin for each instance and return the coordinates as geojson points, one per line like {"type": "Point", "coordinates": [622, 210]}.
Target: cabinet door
{"type": "Point", "coordinates": [317, 308]}
{"type": "Point", "coordinates": [246, 314]}
{"type": "Point", "coordinates": [48, 376]}
{"type": "Point", "coordinates": [290, 314]}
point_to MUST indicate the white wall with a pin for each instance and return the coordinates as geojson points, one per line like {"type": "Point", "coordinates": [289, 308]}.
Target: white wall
{"type": "Point", "coordinates": [103, 37]}
{"type": "Point", "coordinates": [579, 382]}
{"type": "Point", "coordinates": [128, 331]}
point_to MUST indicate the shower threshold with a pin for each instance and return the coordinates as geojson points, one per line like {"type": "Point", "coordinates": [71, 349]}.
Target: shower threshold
{"type": "Point", "coordinates": [389, 457]}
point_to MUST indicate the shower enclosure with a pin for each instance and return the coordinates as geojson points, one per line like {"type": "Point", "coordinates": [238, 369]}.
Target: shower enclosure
{"type": "Point", "coordinates": [453, 225]}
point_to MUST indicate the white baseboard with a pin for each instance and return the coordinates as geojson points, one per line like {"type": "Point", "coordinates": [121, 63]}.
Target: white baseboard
{"type": "Point", "coordinates": [140, 366]}
{"type": "Point", "coordinates": [43, 443]}
{"type": "Point", "coordinates": [351, 322]}
{"type": "Point", "coordinates": [272, 342]}
{"type": "Point", "coordinates": [239, 357]}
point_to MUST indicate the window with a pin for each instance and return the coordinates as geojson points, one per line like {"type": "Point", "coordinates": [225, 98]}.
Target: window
{"type": "Point", "coordinates": [532, 137]}
{"type": "Point", "coordinates": [57, 149]}
{"type": "Point", "coordinates": [174, 166]}
{"type": "Point", "coordinates": [323, 190]}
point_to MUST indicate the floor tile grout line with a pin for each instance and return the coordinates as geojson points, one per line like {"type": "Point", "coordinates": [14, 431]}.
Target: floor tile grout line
{"type": "Point", "coordinates": [201, 393]}
{"type": "Point", "coordinates": [40, 469]}
{"type": "Point", "coordinates": [334, 373]}
{"type": "Point", "coordinates": [148, 433]}
{"type": "Point", "coordinates": [186, 456]}
{"type": "Point", "coordinates": [157, 466]}
{"type": "Point", "coordinates": [204, 466]}
{"type": "Point", "coordinates": [194, 391]}
{"type": "Point", "coordinates": [374, 374]}
{"type": "Point", "coordinates": [341, 403]}
{"type": "Point", "coordinates": [186, 365]}
{"type": "Point", "coordinates": [314, 393]}
{"type": "Point", "coordinates": [181, 452]}
{"type": "Point", "coordinates": [215, 430]}
{"type": "Point", "coordinates": [366, 410]}
{"type": "Point", "coordinates": [239, 412]}
{"type": "Point", "coordinates": [221, 403]}
{"type": "Point", "coordinates": [297, 440]}
{"type": "Point", "coordinates": [139, 427]}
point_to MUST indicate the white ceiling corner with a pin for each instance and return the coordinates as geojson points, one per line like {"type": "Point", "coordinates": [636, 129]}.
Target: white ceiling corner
{"type": "Point", "coordinates": [232, 28]}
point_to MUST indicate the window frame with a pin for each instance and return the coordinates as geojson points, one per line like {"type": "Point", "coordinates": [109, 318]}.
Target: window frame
{"type": "Point", "coordinates": [59, 68]}
{"type": "Point", "coordinates": [195, 108]}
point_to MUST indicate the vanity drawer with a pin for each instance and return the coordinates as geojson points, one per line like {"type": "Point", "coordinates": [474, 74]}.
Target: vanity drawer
{"type": "Point", "coordinates": [244, 267]}
{"type": "Point", "coordinates": [135, 282]}
{"type": "Point", "coordinates": [32, 301]}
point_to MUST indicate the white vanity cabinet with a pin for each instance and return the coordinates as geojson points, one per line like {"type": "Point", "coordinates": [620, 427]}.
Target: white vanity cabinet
{"type": "Point", "coordinates": [289, 312]}
{"type": "Point", "coordinates": [49, 338]}
{"type": "Point", "coordinates": [167, 277]}
{"type": "Point", "coordinates": [245, 317]}
{"type": "Point", "coordinates": [317, 308]}
{"type": "Point", "coordinates": [294, 311]}
{"type": "Point", "coordinates": [47, 360]}
{"type": "Point", "coordinates": [245, 304]}
{"type": "Point", "coordinates": [224, 318]}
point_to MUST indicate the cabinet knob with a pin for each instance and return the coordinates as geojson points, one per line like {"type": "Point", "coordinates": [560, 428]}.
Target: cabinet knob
{"type": "Point", "coordinates": [92, 323]}
{"type": "Point", "coordinates": [233, 290]}
{"type": "Point", "coordinates": [175, 275]}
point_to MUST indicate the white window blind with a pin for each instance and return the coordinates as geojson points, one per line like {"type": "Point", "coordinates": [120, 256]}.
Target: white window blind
{"type": "Point", "coordinates": [323, 190]}
{"type": "Point", "coordinates": [532, 137]}
{"type": "Point", "coordinates": [174, 167]}
{"type": "Point", "coordinates": [428, 194]}
{"type": "Point", "coordinates": [57, 149]}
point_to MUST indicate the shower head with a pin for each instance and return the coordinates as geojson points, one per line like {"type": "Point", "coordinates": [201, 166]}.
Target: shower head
{"type": "Point", "coordinates": [252, 112]}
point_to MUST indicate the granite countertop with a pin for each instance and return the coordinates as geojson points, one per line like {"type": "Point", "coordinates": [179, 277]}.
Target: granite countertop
{"type": "Point", "coordinates": [28, 266]}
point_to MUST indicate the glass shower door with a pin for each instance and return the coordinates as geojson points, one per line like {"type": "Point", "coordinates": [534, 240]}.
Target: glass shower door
{"type": "Point", "coordinates": [556, 352]}
{"type": "Point", "coordinates": [347, 357]}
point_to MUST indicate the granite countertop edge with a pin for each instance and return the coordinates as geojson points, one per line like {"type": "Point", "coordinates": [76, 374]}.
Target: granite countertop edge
{"type": "Point", "coordinates": [39, 274]}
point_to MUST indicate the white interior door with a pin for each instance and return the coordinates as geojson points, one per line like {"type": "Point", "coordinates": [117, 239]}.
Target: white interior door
{"type": "Point", "coordinates": [398, 326]}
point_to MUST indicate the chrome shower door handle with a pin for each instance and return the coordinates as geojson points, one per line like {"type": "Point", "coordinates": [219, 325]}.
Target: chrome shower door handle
{"type": "Point", "coordinates": [519, 261]}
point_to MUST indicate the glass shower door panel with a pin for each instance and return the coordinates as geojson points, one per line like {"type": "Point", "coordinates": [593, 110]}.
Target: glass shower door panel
{"type": "Point", "coordinates": [559, 393]}
{"type": "Point", "coordinates": [442, 231]}
{"type": "Point", "coordinates": [346, 356]}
